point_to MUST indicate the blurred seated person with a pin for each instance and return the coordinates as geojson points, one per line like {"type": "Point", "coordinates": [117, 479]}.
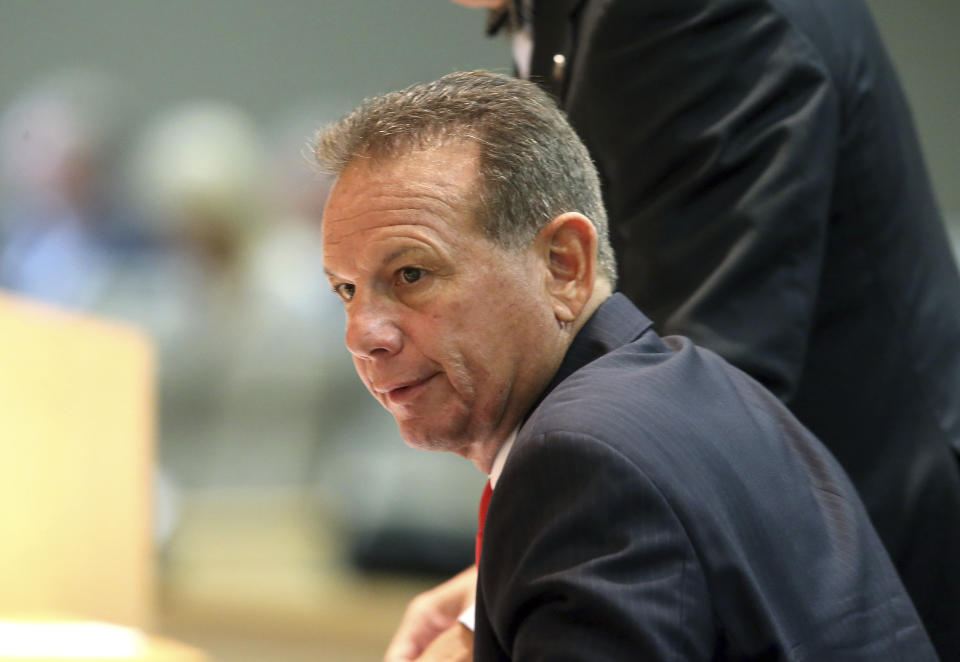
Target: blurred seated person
{"type": "Point", "coordinates": [64, 227]}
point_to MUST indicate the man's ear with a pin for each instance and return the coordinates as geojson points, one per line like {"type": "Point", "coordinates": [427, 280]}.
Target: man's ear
{"type": "Point", "coordinates": [568, 245]}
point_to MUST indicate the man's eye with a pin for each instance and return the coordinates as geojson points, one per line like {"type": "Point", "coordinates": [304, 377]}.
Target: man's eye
{"type": "Point", "coordinates": [344, 291]}
{"type": "Point", "coordinates": [411, 275]}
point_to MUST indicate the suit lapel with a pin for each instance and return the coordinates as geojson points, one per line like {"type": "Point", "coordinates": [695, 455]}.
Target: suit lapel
{"type": "Point", "coordinates": [498, 19]}
{"type": "Point", "coordinates": [554, 43]}
{"type": "Point", "coordinates": [554, 39]}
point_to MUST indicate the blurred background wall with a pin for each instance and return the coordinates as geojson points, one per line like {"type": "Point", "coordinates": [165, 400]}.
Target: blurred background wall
{"type": "Point", "coordinates": [264, 56]}
{"type": "Point", "coordinates": [922, 39]}
{"type": "Point", "coordinates": [260, 55]}
{"type": "Point", "coordinates": [152, 169]}
{"type": "Point", "coordinates": [153, 160]}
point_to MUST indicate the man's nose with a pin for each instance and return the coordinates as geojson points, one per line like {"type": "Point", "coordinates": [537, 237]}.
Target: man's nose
{"type": "Point", "coordinates": [372, 331]}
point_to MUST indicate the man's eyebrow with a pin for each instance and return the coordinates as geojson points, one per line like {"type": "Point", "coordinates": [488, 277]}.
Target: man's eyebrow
{"type": "Point", "coordinates": [389, 257]}
{"type": "Point", "coordinates": [400, 252]}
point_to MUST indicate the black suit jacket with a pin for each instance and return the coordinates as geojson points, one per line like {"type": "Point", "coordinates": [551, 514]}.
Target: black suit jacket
{"type": "Point", "coordinates": [768, 199]}
{"type": "Point", "coordinates": [659, 504]}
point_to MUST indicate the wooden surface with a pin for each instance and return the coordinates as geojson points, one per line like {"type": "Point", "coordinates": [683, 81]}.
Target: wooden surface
{"type": "Point", "coordinates": [60, 639]}
{"type": "Point", "coordinates": [76, 462]}
{"type": "Point", "coordinates": [261, 576]}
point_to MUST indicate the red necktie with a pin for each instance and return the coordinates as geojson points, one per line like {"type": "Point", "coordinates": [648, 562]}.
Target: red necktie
{"type": "Point", "coordinates": [482, 518]}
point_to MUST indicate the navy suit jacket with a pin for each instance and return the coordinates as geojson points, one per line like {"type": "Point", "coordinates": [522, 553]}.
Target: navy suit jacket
{"type": "Point", "coordinates": [768, 199]}
{"type": "Point", "coordinates": [659, 504]}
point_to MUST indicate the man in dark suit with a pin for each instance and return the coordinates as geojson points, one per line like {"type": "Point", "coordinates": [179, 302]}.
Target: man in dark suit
{"type": "Point", "coordinates": [649, 500]}
{"type": "Point", "coordinates": [768, 199]}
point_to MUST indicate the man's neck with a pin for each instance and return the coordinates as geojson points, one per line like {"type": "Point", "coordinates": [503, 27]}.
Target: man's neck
{"type": "Point", "coordinates": [484, 454]}
{"type": "Point", "coordinates": [501, 458]}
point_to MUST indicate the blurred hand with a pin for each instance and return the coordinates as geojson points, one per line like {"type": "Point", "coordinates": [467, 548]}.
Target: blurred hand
{"type": "Point", "coordinates": [452, 645]}
{"type": "Point", "coordinates": [482, 4]}
{"type": "Point", "coordinates": [431, 618]}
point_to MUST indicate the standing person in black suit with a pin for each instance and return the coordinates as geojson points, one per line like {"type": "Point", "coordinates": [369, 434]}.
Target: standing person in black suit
{"type": "Point", "coordinates": [768, 199]}
{"type": "Point", "coordinates": [649, 500]}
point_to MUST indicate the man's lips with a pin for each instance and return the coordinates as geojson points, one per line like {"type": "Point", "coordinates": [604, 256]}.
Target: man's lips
{"type": "Point", "coordinates": [400, 393]}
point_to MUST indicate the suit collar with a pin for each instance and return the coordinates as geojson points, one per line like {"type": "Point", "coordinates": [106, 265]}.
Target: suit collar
{"type": "Point", "coordinates": [554, 34]}
{"type": "Point", "coordinates": [506, 17]}
{"type": "Point", "coordinates": [614, 324]}
{"type": "Point", "coordinates": [498, 19]}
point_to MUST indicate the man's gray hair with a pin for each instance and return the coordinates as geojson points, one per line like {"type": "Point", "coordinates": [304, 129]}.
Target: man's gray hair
{"type": "Point", "coordinates": [533, 167]}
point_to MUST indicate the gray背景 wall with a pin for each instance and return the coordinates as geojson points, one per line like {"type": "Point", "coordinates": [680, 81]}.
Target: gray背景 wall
{"type": "Point", "coordinates": [264, 56]}
{"type": "Point", "coordinates": [256, 54]}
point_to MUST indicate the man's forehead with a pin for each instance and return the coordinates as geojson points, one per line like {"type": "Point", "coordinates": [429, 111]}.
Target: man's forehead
{"type": "Point", "coordinates": [439, 181]}
{"type": "Point", "coordinates": [439, 161]}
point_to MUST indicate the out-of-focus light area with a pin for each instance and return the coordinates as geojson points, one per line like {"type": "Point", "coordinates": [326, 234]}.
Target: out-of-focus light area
{"type": "Point", "coordinates": [185, 449]}
{"type": "Point", "coordinates": [80, 640]}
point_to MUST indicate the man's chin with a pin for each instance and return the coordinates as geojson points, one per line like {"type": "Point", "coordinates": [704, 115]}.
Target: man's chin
{"type": "Point", "coordinates": [431, 444]}
{"type": "Point", "coordinates": [462, 445]}
{"type": "Point", "coordinates": [431, 440]}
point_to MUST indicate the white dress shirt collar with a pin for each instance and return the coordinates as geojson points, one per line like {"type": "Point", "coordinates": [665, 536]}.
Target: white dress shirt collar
{"type": "Point", "coordinates": [501, 458]}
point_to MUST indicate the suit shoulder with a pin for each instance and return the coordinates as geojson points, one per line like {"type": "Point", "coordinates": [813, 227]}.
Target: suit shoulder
{"type": "Point", "coordinates": [675, 391]}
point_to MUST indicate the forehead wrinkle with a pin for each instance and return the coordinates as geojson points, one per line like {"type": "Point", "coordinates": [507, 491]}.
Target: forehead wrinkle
{"type": "Point", "coordinates": [424, 201]}
{"type": "Point", "coordinates": [422, 239]}
{"type": "Point", "coordinates": [423, 197]}
{"type": "Point", "coordinates": [430, 210]}
{"type": "Point", "coordinates": [392, 179]}
{"type": "Point", "coordinates": [354, 230]}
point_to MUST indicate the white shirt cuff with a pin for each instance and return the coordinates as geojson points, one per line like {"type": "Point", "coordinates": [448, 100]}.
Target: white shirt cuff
{"type": "Point", "coordinates": [467, 617]}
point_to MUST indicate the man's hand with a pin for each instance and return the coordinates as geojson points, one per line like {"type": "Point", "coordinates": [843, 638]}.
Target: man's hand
{"type": "Point", "coordinates": [482, 4]}
{"type": "Point", "coordinates": [454, 644]}
{"type": "Point", "coordinates": [431, 618]}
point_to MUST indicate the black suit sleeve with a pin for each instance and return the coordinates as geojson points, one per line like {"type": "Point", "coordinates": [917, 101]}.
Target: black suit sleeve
{"type": "Point", "coordinates": [585, 560]}
{"type": "Point", "coordinates": [715, 126]}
